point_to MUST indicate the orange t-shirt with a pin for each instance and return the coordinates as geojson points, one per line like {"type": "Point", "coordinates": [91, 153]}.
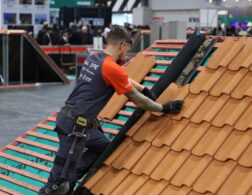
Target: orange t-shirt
{"type": "Point", "coordinates": [116, 76]}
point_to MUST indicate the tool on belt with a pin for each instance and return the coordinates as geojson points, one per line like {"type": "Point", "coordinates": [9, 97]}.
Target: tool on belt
{"type": "Point", "coordinates": [79, 131]}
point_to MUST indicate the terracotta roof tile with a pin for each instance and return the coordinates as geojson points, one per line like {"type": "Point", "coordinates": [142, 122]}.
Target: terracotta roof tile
{"type": "Point", "coordinates": [170, 189]}
{"type": "Point", "coordinates": [228, 82]}
{"type": "Point", "coordinates": [206, 149]}
{"type": "Point", "coordinates": [190, 136]}
{"type": "Point", "coordinates": [109, 181]}
{"type": "Point", "coordinates": [150, 128]}
{"type": "Point", "coordinates": [239, 182]}
{"type": "Point", "coordinates": [206, 80]}
{"type": "Point", "coordinates": [234, 146]}
{"type": "Point", "coordinates": [245, 121]}
{"type": "Point", "coordinates": [130, 155]}
{"type": "Point", "coordinates": [147, 163]}
{"type": "Point", "coordinates": [212, 140]}
{"type": "Point", "coordinates": [100, 173]}
{"type": "Point", "coordinates": [130, 185]}
{"type": "Point", "coordinates": [241, 59]}
{"type": "Point", "coordinates": [244, 88]}
{"type": "Point", "coordinates": [231, 112]}
{"type": "Point", "coordinates": [118, 151]}
{"type": "Point", "coordinates": [209, 108]}
{"type": "Point", "coordinates": [232, 53]}
{"type": "Point", "coordinates": [213, 177]}
{"type": "Point", "coordinates": [190, 170]}
{"type": "Point", "coordinates": [169, 165]}
{"type": "Point", "coordinates": [192, 102]}
{"type": "Point", "coordinates": [222, 51]}
{"type": "Point", "coordinates": [169, 133]}
{"type": "Point", "coordinates": [152, 187]}
{"type": "Point", "coordinates": [245, 159]}
{"type": "Point", "coordinates": [248, 62]}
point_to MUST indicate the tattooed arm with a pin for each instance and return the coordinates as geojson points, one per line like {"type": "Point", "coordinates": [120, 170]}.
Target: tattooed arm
{"type": "Point", "coordinates": [137, 85]}
{"type": "Point", "coordinates": [143, 102]}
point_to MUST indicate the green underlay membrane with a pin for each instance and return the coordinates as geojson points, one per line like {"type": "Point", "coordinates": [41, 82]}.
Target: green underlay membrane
{"type": "Point", "coordinates": [43, 141]}
{"type": "Point", "coordinates": [110, 125]}
{"type": "Point", "coordinates": [129, 109]}
{"type": "Point", "coordinates": [51, 123]}
{"type": "Point", "coordinates": [36, 149]}
{"type": "Point", "coordinates": [147, 83]}
{"type": "Point", "coordinates": [122, 118]}
{"type": "Point", "coordinates": [17, 188]}
{"type": "Point", "coordinates": [24, 167]}
{"type": "Point", "coordinates": [21, 178]}
{"type": "Point", "coordinates": [30, 158]}
{"type": "Point", "coordinates": [46, 132]}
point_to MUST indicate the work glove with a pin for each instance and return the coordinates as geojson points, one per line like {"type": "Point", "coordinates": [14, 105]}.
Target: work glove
{"type": "Point", "coordinates": [173, 107]}
{"type": "Point", "coordinates": [148, 93]}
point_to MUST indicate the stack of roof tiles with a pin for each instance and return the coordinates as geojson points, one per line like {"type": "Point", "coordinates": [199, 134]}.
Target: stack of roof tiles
{"type": "Point", "coordinates": [206, 149]}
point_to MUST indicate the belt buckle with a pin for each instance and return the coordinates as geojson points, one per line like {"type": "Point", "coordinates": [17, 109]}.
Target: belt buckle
{"type": "Point", "coordinates": [82, 121]}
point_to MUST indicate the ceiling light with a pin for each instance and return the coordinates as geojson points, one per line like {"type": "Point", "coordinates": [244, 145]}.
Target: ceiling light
{"type": "Point", "coordinates": [210, 1]}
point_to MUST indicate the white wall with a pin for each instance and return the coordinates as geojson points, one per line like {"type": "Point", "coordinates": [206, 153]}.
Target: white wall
{"type": "Point", "coordinates": [181, 15]}
{"type": "Point", "coordinates": [193, 4]}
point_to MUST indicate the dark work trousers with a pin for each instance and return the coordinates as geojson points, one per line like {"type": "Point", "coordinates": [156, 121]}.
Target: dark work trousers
{"type": "Point", "coordinates": [95, 142]}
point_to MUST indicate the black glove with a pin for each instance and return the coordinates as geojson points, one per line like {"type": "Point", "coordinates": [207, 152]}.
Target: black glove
{"type": "Point", "coordinates": [173, 107]}
{"type": "Point", "coordinates": [148, 93]}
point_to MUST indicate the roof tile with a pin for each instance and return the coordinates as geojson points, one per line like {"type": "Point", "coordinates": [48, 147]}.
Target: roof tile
{"type": "Point", "coordinates": [241, 59]}
{"type": "Point", "coordinates": [246, 158]}
{"type": "Point", "coordinates": [190, 170]}
{"type": "Point", "coordinates": [130, 184]}
{"type": "Point", "coordinates": [209, 108]}
{"type": "Point", "coordinates": [239, 182]}
{"type": "Point", "coordinates": [118, 151]}
{"type": "Point", "coordinates": [169, 165]}
{"type": "Point", "coordinates": [100, 173]}
{"type": "Point", "coordinates": [192, 102]}
{"type": "Point", "coordinates": [131, 154]}
{"type": "Point", "coordinates": [247, 62]}
{"type": "Point", "coordinates": [212, 140]}
{"type": "Point", "coordinates": [234, 146]}
{"type": "Point", "coordinates": [245, 121]}
{"type": "Point", "coordinates": [244, 88]}
{"type": "Point", "coordinates": [110, 181]}
{"type": "Point", "coordinates": [152, 187]}
{"type": "Point", "coordinates": [168, 134]}
{"type": "Point", "coordinates": [212, 178]}
{"type": "Point", "coordinates": [231, 112]}
{"type": "Point", "coordinates": [228, 82]}
{"type": "Point", "coordinates": [170, 189]}
{"type": "Point", "coordinates": [222, 51]}
{"type": "Point", "coordinates": [190, 136]}
{"type": "Point", "coordinates": [206, 80]}
{"type": "Point", "coordinates": [232, 53]}
{"type": "Point", "coordinates": [147, 163]}
{"type": "Point", "coordinates": [151, 128]}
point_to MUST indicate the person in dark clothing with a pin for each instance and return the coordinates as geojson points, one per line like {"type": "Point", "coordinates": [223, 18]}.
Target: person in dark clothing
{"type": "Point", "coordinates": [87, 39]}
{"type": "Point", "coordinates": [75, 35]}
{"type": "Point", "coordinates": [99, 78]}
{"type": "Point", "coordinates": [42, 33]}
{"type": "Point", "coordinates": [47, 38]}
{"type": "Point", "coordinates": [63, 40]}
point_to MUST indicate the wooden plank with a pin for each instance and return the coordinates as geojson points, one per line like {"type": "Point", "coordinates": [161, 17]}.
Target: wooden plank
{"type": "Point", "coordinates": [20, 183]}
{"type": "Point", "coordinates": [164, 54]}
{"type": "Point", "coordinates": [163, 62]}
{"type": "Point", "coordinates": [26, 162]}
{"type": "Point", "coordinates": [130, 104]}
{"type": "Point", "coordinates": [114, 121]}
{"type": "Point", "coordinates": [43, 136]}
{"type": "Point", "coordinates": [110, 131]}
{"type": "Point", "coordinates": [39, 145]}
{"type": "Point", "coordinates": [157, 71]}
{"type": "Point", "coordinates": [125, 113]}
{"type": "Point", "coordinates": [30, 153]}
{"type": "Point", "coordinates": [9, 191]}
{"type": "Point", "coordinates": [48, 127]}
{"type": "Point", "coordinates": [24, 173]}
{"type": "Point", "coordinates": [167, 46]}
{"type": "Point", "coordinates": [151, 79]}
{"type": "Point", "coordinates": [169, 41]}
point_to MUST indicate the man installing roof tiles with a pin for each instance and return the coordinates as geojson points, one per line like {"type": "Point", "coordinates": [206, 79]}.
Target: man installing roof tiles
{"type": "Point", "coordinates": [76, 123]}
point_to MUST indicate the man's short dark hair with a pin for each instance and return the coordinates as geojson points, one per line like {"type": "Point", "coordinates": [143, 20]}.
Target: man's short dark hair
{"type": "Point", "coordinates": [118, 34]}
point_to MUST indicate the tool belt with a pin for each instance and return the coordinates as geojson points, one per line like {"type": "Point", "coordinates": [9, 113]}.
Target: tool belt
{"type": "Point", "coordinates": [81, 123]}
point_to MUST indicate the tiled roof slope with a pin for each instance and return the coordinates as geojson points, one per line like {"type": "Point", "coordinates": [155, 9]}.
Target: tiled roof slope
{"type": "Point", "coordinates": [206, 149]}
